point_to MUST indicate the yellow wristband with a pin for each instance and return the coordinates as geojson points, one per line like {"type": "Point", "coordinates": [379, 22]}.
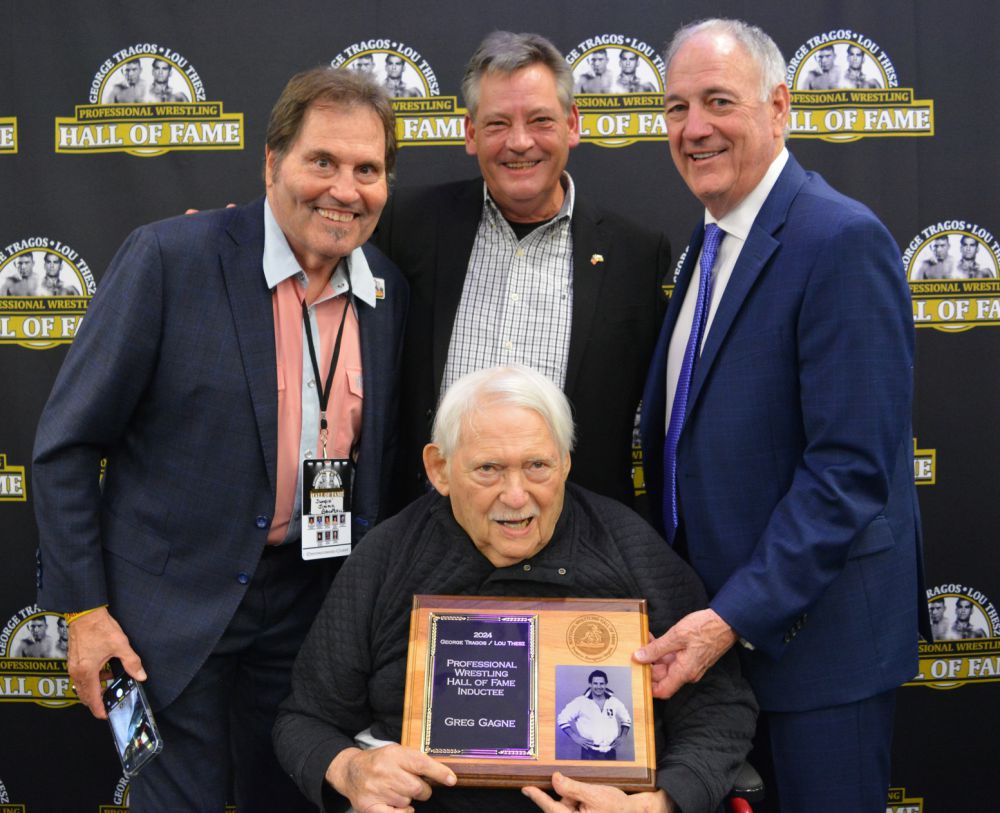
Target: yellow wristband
{"type": "Point", "coordinates": [71, 617]}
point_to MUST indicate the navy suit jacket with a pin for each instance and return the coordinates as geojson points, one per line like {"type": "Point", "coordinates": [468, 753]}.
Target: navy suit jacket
{"type": "Point", "coordinates": [617, 308]}
{"type": "Point", "coordinates": [795, 463]}
{"type": "Point", "coordinates": [172, 378]}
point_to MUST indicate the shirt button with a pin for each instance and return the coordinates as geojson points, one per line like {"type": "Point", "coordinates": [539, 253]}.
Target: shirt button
{"type": "Point", "coordinates": [527, 568]}
{"type": "Point", "coordinates": [262, 522]}
{"type": "Point", "coordinates": [307, 454]}
{"type": "Point", "coordinates": [508, 345]}
{"type": "Point", "coordinates": [562, 571]}
{"type": "Point", "coordinates": [515, 297]}
{"type": "Point", "coordinates": [519, 252]}
{"type": "Point", "coordinates": [243, 578]}
{"type": "Point", "coordinates": [311, 384]}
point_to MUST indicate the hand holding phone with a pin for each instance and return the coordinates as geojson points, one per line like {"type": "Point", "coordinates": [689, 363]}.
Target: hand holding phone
{"type": "Point", "coordinates": [131, 718]}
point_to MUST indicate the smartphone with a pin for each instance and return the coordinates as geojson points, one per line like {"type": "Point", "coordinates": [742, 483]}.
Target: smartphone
{"type": "Point", "coordinates": [131, 718]}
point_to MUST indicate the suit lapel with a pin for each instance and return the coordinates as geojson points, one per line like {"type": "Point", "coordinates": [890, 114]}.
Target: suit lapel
{"type": "Point", "coordinates": [757, 251]}
{"type": "Point", "coordinates": [588, 278]}
{"type": "Point", "coordinates": [250, 303]}
{"type": "Point", "coordinates": [456, 236]}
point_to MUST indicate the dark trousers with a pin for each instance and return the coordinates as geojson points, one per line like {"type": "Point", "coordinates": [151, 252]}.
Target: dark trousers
{"type": "Point", "coordinates": [829, 760]}
{"type": "Point", "coordinates": [217, 733]}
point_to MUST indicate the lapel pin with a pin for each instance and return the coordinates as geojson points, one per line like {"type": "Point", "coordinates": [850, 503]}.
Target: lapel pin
{"type": "Point", "coordinates": [596, 258]}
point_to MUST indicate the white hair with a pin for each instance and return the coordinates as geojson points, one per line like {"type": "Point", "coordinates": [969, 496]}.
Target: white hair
{"type": "Point", "coordinates": [515, 385]}
{"type": "Point", "coordinates": [763, 51]}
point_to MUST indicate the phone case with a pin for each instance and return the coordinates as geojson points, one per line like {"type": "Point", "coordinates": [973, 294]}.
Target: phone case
{"type": "Point", "coordinates": [137, 739]}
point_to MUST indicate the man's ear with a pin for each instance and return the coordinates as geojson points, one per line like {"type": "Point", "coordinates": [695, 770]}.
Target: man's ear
{"type": "Point", "coordinates": [780, 104]}
{"type": "Point", "coordinates": [573, 123]}
{"type": "Point", "coordinates": [269, 162]}
{"type": "Point", "coordinates": [436, 467]}
{"type": "Point", "coordinates": [470, 135]}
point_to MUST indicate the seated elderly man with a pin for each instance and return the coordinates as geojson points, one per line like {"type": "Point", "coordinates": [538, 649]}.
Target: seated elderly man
{"type": "Point", "coordinates": [499, 460]}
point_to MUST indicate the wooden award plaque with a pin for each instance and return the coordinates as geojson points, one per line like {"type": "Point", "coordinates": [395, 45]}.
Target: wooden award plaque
{"type": "Point", "coordinates": [491, 682]}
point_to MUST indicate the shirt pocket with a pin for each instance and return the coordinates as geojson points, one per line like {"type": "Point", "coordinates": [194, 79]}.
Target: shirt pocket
{"type": "Point", "coordinates": [355, 382]}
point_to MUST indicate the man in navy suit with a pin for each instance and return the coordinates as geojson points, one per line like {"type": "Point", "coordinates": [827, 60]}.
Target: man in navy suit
{"type": "Point", "coordinates": [789, 484]}
{"type": "Point", "coordinates": [191, 379]}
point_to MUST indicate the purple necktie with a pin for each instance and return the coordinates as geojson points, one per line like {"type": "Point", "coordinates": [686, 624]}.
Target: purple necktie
{"type": "Point", "coordinates": [710, 247]}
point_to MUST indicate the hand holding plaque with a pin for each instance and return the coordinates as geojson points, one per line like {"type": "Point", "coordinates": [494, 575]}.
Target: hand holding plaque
{"type": "Point", "coordinates": [507, 691]}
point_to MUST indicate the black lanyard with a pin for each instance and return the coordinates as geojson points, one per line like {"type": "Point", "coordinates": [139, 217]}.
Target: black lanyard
{"type": "Point", "coordinates": [323, 390]}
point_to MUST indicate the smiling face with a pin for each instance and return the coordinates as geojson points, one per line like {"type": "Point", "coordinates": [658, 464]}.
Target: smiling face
{"type": "Point", "coordinates": [327, 191]}
{"type": "Point", "coordinates": [522, 137]}
{"type": "Point", "coordinates": [506, 482]}
{"type": "Point", "coordinates": [722, 137]}
{"type": "Point", "coordinates": [598, 686]}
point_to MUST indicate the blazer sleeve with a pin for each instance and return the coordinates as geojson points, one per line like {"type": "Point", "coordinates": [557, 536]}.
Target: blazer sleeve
{"type": "Point", "coordinates": [94, 398]}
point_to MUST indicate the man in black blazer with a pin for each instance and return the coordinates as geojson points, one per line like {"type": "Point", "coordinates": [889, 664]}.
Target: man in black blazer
{"type": "Point", "coordinates": [517, 267]}
{"type": "Point", "coordinates": [184, 378]}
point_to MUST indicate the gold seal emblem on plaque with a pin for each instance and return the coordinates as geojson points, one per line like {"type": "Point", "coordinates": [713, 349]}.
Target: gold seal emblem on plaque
{"type": "Point", "coordinates": [592, 638]}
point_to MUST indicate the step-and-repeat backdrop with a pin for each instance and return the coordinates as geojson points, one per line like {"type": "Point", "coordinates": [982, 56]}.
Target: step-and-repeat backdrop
{"type": "Point", "coordinates": [114, 114]}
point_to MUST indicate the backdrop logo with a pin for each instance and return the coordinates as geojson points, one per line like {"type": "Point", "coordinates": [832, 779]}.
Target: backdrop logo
{"type": "Point", "coordinates": [33, 659]}
{"type": "Point", "coordinates": [45, 287]}
{"type": "Point", "coordinates": [899, 802]}
{"type": "Point", "coordinates": [120, 800]}
{"type": "Point", "coordinates": [422, 116]}
{"type": "Point", "coordinates": [148, 100]}
{"type": "Point", "coordinates": [844, 87]}
{"type": "Point", "coordinates": [638, 469]}
{"type": "Point", "coordinates": [924, 465]}
{"type": "Point", "coordinates": [965, 627]}
{"type": "Point", "coordinates": [618, 81]}
{"type": "Point", "coordinates": [952, 268]}
{"type": "Point", "coordinates": [8, 136]}
{"type": "Point", "coordinates": [5, 803]}
{"type": "Point", "coordinates": [668, 287]}
{"type": "Point", "coordinates": [12, 483]}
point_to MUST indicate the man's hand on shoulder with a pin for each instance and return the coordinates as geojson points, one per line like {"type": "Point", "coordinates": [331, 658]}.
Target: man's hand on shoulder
{"type": "Point", "coordinates": [589, 798]}
{"type": "Point", "coordinates": [686, 651]}
{"type": "Point", "coordinates": [94, 639]}
{"type": "Point", "coordinates": [195, 211]}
